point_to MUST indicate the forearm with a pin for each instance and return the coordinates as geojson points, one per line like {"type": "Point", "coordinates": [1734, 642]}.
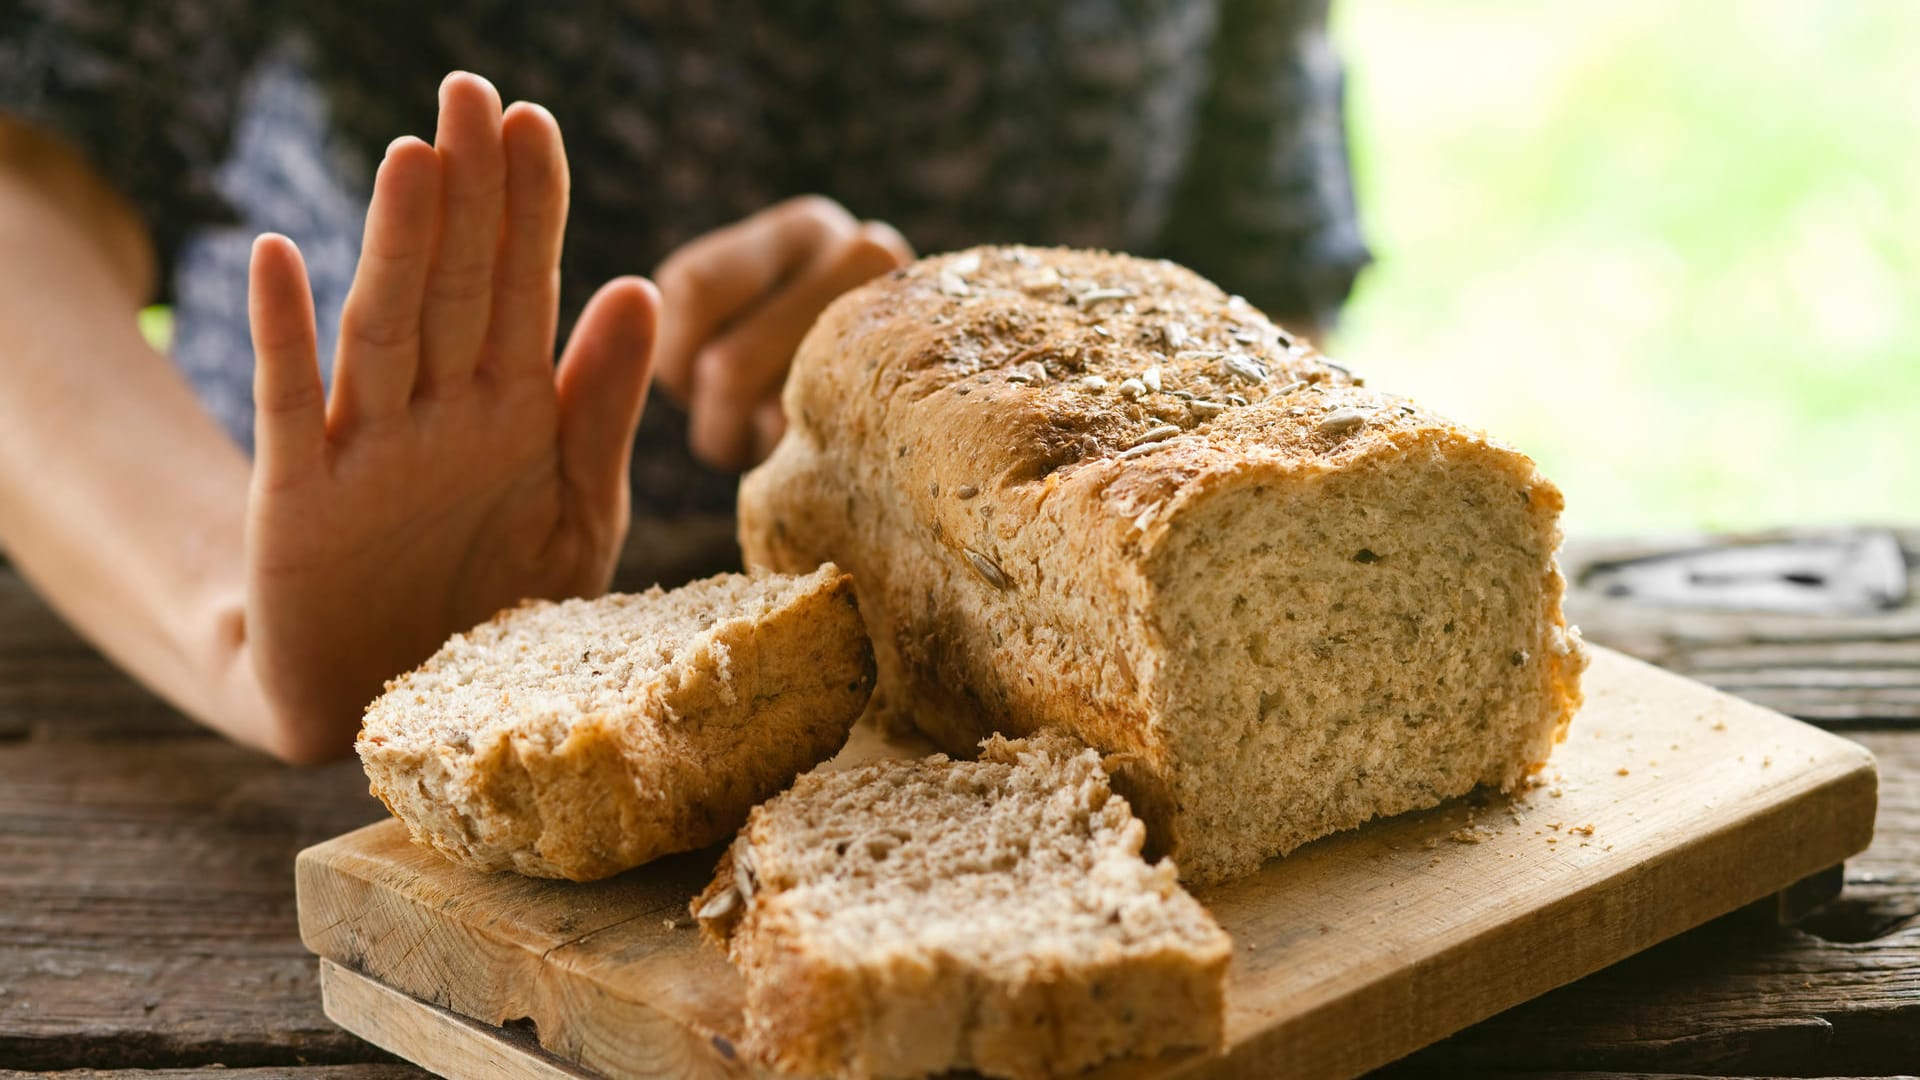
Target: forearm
{"type": "Point", "coordinates": [120, 499]}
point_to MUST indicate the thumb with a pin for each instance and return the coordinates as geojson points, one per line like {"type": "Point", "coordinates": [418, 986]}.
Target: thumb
{"type": "Point", "coordinates": [602, 385]}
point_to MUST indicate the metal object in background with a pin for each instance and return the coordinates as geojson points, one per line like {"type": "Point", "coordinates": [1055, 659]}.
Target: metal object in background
{"type": "Point", "coordinates": [1823, 624]}
{"type": "Point", "coordinates": [1843, 574]}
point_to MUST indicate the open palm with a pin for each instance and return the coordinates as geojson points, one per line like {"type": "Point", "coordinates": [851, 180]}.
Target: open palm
{"type": "Point", "coordinates": [455, 469]}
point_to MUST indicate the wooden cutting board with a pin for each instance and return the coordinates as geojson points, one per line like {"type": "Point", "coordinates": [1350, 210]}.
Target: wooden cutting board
{"type": "Point", "coordinates": [1669, 804]}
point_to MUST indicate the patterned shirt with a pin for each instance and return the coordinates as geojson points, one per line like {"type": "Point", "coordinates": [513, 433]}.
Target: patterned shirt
{"type": "Point", "coordinates": [1208, 131]}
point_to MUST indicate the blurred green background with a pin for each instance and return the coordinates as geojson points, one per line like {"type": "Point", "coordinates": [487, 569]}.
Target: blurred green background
{"type": "Point", "coordinates": [1670, 248]}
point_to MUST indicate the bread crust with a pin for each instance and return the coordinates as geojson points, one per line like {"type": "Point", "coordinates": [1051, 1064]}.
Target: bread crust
{"type": "Point", "coordinates": [923, 1005]}
{"type": "Point", "coordinates": [533, 788]}
{"type": "Point", "coordinates": [1004, 444]}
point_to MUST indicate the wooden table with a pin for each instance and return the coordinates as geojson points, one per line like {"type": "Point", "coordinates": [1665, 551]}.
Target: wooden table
{"type": "Point", "coordinates": [146, 885]}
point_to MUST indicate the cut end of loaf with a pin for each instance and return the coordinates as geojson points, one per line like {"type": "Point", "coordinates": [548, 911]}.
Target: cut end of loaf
{"type": "Point", "coordinates": [914, 917]}
{"type": "Point", "coordinates": [581, 738]}
{"type": "Point", "coordinates": [1357, 641]}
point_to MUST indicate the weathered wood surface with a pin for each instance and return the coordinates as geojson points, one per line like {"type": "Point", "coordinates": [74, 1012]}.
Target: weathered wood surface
{"type": "Point", "coordinates": [1859, 668]}
{"type": "Point", "coordinates": [1838, 993]}
{"type": "Point", "coordinates": [1668, 805]}
{"type": "Point", "coordinates": [146, 904]}
{"type": "Point", "coordinates": [445, 1042]}
{"type": "Point", "coordinates": [163, 872]}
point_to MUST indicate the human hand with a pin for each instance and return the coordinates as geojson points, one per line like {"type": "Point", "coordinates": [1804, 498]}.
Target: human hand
{"type": "Point", "coordinates": [455, 470]}
{"type": "Point", "coordinates": [735, 304]}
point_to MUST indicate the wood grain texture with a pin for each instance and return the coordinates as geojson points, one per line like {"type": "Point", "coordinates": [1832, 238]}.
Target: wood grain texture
{"type": "Point", "coordinates": [1839, 992]}
{"type": "Point", "coordinates": [146, 905]}
{"type": "Point", "coordinates": [1669, 805]}
{"type": "Point", "coordinates": [444, 1042]}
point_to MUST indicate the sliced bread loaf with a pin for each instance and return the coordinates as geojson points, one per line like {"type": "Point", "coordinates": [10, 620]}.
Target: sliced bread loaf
{"type": "Point", "coordinates": [582, 738]}
{"type": "Point", "coordinates": [911, 917]}
{"type": "Point", "coordinates": [1094, 491]}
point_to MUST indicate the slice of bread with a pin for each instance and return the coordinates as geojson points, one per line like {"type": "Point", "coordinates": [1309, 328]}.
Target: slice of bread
{"type": "Point", "coordinates": [578, 739]}
{"type": "Point", "coordinates": [911, 917]}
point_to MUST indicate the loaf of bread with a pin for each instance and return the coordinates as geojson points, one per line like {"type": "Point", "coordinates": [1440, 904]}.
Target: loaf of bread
{"type": "Point", "coordinates": [913, 917]}
{"type": "Point", "coordinates": [578, 739]}
{"type": "Point", "coordinates": [1093, 491]}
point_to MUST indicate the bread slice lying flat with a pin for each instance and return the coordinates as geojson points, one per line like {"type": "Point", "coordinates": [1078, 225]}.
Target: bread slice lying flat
{"type": "Point", "coordinates": [1091, 491]}
{"type": "Point", "coordinates": [911, 917]}
{"type": "Point", "coordinates": [578, 739]}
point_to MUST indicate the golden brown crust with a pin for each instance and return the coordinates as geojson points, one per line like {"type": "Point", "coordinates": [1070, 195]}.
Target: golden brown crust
{"type": "Point", "coordinates": [678, 768]}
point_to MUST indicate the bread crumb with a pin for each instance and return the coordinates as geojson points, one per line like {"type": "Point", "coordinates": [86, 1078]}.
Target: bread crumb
{"type": "Point", "coordinates": [1477, 834]}
{"type": "Point", "coordinates": [1623, 771]}
{"type": "Point", "coordinates": [1719, 725]}
{"type": "Point", "coordinates": [1766, 762]}
{"type": "Point", "coordinates": [670, 923]}
{"type": "Point", "coordinates": [1583, 830]}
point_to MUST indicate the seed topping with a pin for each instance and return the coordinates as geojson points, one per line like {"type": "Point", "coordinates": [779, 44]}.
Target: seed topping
{"type": "Point", "coordinates": [1155, 434]}
{"type": "Point", "coordinates": [988, 570]}
{"type": "Point", "coordinates": [1341, 421]}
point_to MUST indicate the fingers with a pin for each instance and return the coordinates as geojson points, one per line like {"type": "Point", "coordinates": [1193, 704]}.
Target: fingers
{"type": "Point", "coordinates": [769, 423]}
{"type": "Point", "coordinates": [601, 385]}
{"type": "Point", "coordinates": [460, 287]}
{"type": "Point", "coordinates": [290, 425]}
{"type": "Point", "coordinates": [711, 281]}
{"type": "Point", "coordinates": [380, 323]}
{"type": "Point", "coordinates": [526, 290]}
{"type": "Point", "coordinates": [742, 370]}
